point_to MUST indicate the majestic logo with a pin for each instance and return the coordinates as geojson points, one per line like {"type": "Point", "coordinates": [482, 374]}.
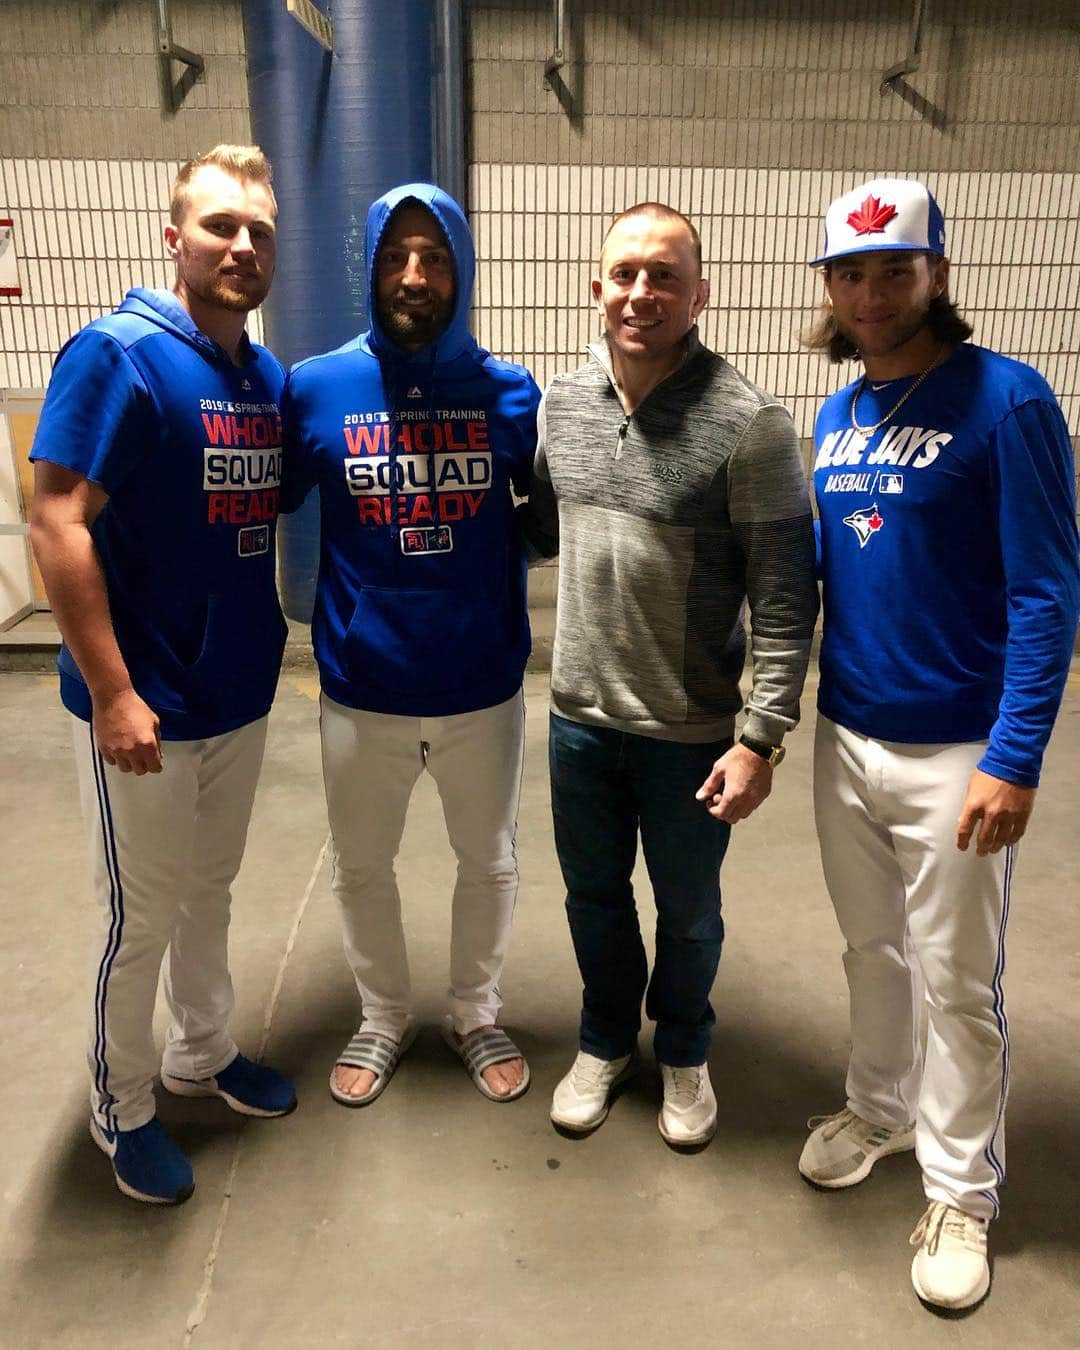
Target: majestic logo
{"type": "Point", "coordinates": [871, 217]}
{"type": "Point", "coordinates": [865, 523]}
{"type": "Point", "coordinates": [245, 384]}
{"type": "Point", "coordinates": [414, 392]}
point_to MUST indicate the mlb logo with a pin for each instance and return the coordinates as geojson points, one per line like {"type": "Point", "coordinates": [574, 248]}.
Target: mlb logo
{"type": "Point", "coordinates": [434, 539]}
{"type": "Point", "coordinates": [891, 483]}
{"type": "Point", "coordinates": [252, 540]}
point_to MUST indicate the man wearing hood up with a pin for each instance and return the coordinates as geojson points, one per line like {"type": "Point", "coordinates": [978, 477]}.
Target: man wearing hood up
{"type": "Point", "coordinates": [415, 437]}
{"type": "Point", "coordinates": [158, 458]}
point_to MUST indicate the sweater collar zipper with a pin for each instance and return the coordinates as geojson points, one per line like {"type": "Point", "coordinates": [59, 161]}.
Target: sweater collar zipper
{"type": "Point", "coordinates": [624, 425]}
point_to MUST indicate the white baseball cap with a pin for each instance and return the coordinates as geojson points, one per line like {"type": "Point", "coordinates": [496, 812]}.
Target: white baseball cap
{"type": "Point", "coordinates": [886, 213]}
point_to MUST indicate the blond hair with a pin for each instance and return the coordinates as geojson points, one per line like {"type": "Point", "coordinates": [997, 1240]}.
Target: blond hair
{"type": "Point", "coordinates": [242, 161]}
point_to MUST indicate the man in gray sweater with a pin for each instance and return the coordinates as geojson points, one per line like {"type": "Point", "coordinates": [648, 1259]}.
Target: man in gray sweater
{"type": "Point", "coordinates": [673, 491]}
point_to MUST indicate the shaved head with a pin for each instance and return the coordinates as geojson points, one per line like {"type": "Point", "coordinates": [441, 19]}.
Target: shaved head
{"type": "Point", "coordinates": [657, 211]}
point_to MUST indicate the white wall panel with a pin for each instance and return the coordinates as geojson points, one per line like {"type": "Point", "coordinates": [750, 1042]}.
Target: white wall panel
{"type": "Point", "coordinates": [86, 232]}
{"type": "Point", "coordinates": [1012, 237]}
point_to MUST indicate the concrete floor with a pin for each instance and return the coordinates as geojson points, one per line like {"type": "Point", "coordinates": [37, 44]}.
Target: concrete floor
{"type": "Point", "coordinates": [436, 1219]}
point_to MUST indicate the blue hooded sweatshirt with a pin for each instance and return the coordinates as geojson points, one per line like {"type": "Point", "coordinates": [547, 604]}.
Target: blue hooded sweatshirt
{"type": "Point", "coordinates": [420, 607]}
{"type": "Point", "coordinates": [188, 447]}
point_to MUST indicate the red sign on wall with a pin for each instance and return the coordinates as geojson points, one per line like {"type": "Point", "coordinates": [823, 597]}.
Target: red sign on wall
{"type": "Point", "coordinates": [9, 275]}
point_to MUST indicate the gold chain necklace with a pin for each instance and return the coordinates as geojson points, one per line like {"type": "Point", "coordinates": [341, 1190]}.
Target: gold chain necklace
{"type": "Point", "coordinates": [869, 431]}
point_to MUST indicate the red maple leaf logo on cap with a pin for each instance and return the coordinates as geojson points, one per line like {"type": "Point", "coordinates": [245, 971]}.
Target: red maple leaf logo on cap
{"type": "Point", "coordinates": [871, 217]}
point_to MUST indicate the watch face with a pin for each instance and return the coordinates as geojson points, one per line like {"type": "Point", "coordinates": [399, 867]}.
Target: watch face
{"type": "Point", "coordinates": [777, 756]}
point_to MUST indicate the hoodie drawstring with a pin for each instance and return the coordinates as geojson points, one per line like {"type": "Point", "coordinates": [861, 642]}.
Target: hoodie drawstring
{"type": "Point", "coordinates": [436, 509]}
{"type": "Point", "coordinates": [396, 382]}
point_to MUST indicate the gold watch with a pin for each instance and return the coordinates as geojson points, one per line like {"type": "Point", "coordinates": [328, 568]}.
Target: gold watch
{"type": "Point", "coordinates": [774, 754]}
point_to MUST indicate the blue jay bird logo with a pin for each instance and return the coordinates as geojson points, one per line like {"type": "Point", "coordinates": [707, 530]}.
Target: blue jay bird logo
{"type": "Point", "coordinates": [865, 523]}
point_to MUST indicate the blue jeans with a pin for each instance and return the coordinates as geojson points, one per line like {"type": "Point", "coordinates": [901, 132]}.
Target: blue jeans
{"type": "Point", "coordinates": [605, 786]}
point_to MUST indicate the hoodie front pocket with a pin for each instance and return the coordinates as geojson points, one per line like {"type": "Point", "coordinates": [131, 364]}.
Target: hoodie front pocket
{"type": "Point", "coordinates": [241, 652]}
{"type": "Point", "coordinates": [425, 642]}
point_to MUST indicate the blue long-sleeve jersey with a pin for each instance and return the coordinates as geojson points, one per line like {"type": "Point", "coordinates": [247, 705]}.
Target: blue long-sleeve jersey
{"type": "Point", "coordinates": [420, 607]}
{"type": "Point", "coordinates": [949, 560]}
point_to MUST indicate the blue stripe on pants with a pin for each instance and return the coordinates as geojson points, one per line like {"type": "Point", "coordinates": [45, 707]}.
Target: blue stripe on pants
{"type": "Point", "coordinates": [115, 933]}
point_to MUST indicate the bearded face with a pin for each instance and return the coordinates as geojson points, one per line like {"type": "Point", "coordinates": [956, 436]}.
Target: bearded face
{"type": "Point", "coordinates": [414, 275]}
{"type": "Point", "coordinates": [225, 246]}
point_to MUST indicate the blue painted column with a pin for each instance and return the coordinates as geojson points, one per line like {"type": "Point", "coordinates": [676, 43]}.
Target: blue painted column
{"type": "Point", "coordinates": [340, 129]}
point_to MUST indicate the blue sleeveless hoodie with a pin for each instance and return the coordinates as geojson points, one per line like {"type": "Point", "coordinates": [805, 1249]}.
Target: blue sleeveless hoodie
{"type": "Point", "coordinates": [420, 607]}
{"type": "Point", "coordinates": [188, 447]}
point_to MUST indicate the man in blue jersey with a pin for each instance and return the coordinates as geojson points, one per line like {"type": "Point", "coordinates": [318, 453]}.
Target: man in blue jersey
{"type": "Point", "coordinates": [158, 458]}
{"type": "Point", "coordinates": [944, 482]}
{"type": "Point", "coordinates": [416, 438]}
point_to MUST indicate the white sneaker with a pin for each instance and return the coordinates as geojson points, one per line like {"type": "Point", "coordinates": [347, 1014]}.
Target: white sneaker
{"type": "Point", "coordinates": [581, 1101]}
{"type": "Point", "coordinates": [688, 1115]}
{"type": "Point", "coordinates": [842, 1148]}
{"type": "Point", "coordinates": [950, 1268]}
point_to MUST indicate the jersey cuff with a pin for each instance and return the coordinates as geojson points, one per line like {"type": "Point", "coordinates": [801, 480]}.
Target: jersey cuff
{"type": "Point", "coordinates": [1008, 773]}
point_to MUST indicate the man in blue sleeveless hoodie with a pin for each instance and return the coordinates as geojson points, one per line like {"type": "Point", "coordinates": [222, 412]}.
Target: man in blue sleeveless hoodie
{"type": "Point", "coordinates": [944, 482]}
{"type": "Point", "coordinates": [416, 438]}
{"type": "Point", "coordinates": [158, 458]}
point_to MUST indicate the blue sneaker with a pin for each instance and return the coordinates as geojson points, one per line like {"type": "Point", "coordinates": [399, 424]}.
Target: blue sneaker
{"type": "Point", "coordinates": [146, 1163]}
{"type": "Point", "coordinates": [250, 1088]}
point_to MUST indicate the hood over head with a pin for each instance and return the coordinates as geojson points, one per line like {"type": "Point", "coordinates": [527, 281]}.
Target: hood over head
{"type": "Point", "coordinates": [455, 227]}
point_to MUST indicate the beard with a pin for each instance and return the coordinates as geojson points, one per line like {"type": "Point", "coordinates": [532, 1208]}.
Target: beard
{"type": "Point", "coordinates": [236, 294]}
{"type": "Point", "coordinates": [409, 328]}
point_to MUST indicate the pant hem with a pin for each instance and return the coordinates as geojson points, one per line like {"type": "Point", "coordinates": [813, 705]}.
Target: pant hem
{"type": "Point", "coordinates": [873, 1117]}
{"type": "Point", "coordinates": [198, 1073]}
{"type": "Point", "coordinates": [965, 1204]}
{"type": "Point", "coordinates": [125, 1121]}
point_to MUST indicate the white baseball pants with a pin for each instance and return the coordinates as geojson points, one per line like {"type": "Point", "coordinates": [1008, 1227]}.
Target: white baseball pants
{"type": "Point", "coordinates": [164, 850]}
{"type": "Point", "coordinates": [371, 762]}
{"type": "Point", "coordinates": [923, 923]}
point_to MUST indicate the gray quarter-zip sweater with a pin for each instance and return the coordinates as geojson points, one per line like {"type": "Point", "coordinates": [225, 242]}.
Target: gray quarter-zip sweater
{"type": "Point", "coordinates": [665, 521]}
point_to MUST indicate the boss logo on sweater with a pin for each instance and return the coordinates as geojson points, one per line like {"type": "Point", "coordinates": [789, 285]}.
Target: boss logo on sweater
{"type": "Point", "coordinates": [667, 473]}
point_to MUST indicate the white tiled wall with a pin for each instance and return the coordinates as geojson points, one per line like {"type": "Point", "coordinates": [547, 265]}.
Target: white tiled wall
{"type": "Point", "coordinates": [1012, 238]}
{"type": "Point", "coordinates": [86, 231]}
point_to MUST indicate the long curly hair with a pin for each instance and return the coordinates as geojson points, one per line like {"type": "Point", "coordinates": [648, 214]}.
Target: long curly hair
{"type": "Point", "coordinates": [943, 318]}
